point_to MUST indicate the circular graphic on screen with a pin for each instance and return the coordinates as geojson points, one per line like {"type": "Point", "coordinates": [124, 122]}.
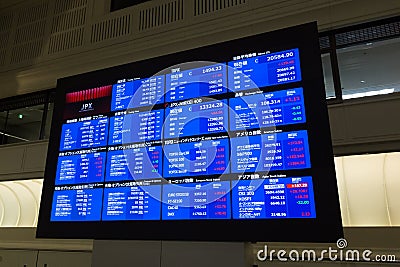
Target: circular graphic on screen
{"type": "Point", "coordinates": [208, 136]}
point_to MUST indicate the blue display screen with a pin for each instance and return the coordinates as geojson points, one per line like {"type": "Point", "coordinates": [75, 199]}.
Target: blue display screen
{"type": "Point", "coordinates": [270, 152]}
{"type": "Point", "coordinates": [81, 168]}
{"type": "Point", "coordinates": [205, 81]}
{"type": "Point", "coordinates": [138, 93]}
{"type": "Point", "coordinates": [196, 158]}
{"type": "Point", "coordinates": [266, 110]}
{"type": "Point", "coordinates": [134, 164]}
{"type": "Point", "coordinates": [273, 198]}
{"type": "Point", "coordinates": [196, 201]}
{"type": "Point", "coordinates": [131, 202]}
{"type": "Point", "coordinates": [196, 119]}
{"type": "Point", "coordinates": [84, 134]}
{"type": "Point", "coordinates": [136, 127]}
{"type": "Point", "coordinates": [264, 70]}
{"type": "Point", "coordinates": [201, 153]}
{"type": "Point", "coordinates": [77, 203]}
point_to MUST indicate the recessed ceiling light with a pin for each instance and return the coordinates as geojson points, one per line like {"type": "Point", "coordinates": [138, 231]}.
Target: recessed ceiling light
{"type": "Point", "coordinates": [368, 43]}
{"type": "Point", "coordinates": [362, 81]}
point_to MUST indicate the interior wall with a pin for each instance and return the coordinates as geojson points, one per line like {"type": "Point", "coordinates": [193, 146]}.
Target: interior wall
{"type": "Point", "coordinates": [365, 125]}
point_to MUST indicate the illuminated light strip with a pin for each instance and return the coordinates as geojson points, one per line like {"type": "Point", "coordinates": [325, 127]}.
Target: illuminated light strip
{"type": "Point", "coordinates": [12, 208]}
{"type": "Point", "coordinates": [13, 136]}
{"type": "Point", "coordinates": [34, 203]}
{"type": "Point", "coordinates": [8, 185]}
{"type": "Point", "coordinates": [369, 93]}
{"type": "Point", "coordinates": [1, 211]}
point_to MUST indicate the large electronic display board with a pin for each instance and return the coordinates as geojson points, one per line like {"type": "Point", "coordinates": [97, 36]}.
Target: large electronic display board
{"type": "Point", "coordinates": [227, 142]}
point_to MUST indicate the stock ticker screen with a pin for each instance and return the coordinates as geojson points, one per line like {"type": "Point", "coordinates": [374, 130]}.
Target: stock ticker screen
{"type": "Point", "coordinates": [205, 141]}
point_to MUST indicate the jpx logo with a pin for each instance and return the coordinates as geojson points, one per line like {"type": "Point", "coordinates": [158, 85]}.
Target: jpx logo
{"type": "Point", "coordinates": [87, 106]}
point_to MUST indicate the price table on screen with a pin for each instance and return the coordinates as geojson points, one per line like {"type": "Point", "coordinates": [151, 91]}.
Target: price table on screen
{"type": "Point", "coordinates": [267, 109]}
{"type": "Point", "coordinates": [138, 93]}
{"type": "Point", "coordinates": [134, 163]}
{"type": "Point", "coordinates": [270, 152]}
{"type": "Point", "coordinates": [136, 127]}
{"type": "Point", "coordinates": [196, 201]}
{"type": "Point", "coordinates": [205, 81]}
{"type": "Point", "coordinates": [196, 119]}
{"type": "Point", "coordinates": [84, 134]}
{"type": "Point", "coordinates": [273, 198]}
{"type": "Point", "coordinates": [81, 168]}
{"type": "Point", "coordinates": [80, 203]}
{"type": "Point", "coordinates": [196, 158]}
{"type": "Point", "coordinates": [124, 202]}
{"type": "Point", "coordinates": [264, 70]}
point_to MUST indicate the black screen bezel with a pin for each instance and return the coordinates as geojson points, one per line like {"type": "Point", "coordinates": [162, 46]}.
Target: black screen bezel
{"type": "Point", "coordinates": [326, 227]}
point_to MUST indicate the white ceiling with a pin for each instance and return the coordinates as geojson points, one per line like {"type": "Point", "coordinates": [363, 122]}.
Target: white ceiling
{"type": "Point", "coordinates": [367, 67]}
{"type": "Point", "coordinates": [370, 66]}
